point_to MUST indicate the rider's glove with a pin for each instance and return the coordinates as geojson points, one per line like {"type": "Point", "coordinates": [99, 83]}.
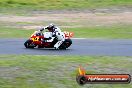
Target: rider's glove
{"type": "Point", "coordinates": [41, 29]}
{"type": "Point", "coordinates": [46, 27]}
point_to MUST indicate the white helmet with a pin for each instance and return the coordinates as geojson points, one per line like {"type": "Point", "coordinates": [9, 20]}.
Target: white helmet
{"type": "Point", "coordinates": [51, 25]}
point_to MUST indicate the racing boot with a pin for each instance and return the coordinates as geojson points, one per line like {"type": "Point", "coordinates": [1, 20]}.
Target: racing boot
{"type": "Point", "coordinates": [57, 45]}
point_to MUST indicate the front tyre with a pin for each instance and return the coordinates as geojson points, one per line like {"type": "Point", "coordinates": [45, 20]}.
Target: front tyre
{"type": "Point", "coordinates": [27, 44]}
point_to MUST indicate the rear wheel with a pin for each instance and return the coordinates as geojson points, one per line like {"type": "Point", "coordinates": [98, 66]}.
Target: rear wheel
{"type": "Point", "coordinates": [27, 44]}
{"type": "Point", "coordinates": [66, 44]}
{"type": "Point", "coordinates": [62, 47]}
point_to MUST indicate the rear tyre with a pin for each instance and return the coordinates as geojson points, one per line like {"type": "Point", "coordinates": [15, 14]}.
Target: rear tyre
{"type": "Point", "coordinates": [27, 44]}
{"type": "Point", "coordinates": [62, 47]}
{"type": "Point", "coordinates": [67, 43]}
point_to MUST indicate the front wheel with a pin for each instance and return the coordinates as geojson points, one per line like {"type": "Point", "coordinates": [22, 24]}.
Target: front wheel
{"type": "Point", "coordinates": [27, 44]}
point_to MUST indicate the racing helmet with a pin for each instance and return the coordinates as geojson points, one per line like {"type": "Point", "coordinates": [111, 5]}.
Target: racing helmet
{"type": "Point", "coordinates": [51, 27]}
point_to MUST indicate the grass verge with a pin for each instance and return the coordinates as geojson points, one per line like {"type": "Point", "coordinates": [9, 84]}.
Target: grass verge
{"type": "Point", "coordinates": [61, 4]}
{"type": "Point", "coordinates": [110, 32]}
{"type": "Point", "coordinates": [30, 71]}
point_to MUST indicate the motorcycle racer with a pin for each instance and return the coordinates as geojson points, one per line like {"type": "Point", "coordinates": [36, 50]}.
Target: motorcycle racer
{"type": "Point", "coordinates": [54, 38]}
{"type": "Point", "coordinates": [56, 32]}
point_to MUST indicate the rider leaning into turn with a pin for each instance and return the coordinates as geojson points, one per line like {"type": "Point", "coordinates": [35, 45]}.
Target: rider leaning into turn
{"type": "Point", "coordinates": [56, 32]}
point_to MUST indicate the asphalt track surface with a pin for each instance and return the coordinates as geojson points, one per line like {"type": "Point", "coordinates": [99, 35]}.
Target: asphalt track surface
{"type": "Point", "coordinates": [94, 47]}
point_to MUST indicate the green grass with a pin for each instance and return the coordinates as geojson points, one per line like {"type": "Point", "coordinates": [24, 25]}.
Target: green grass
{"type": "Point", "coordinates": [62, 4]}
{"type": "Point", "coordinates": [29, 71]}
{"type": "Point", "coordinates": [14, 33]}
{"type": "Point", "coordinates": [108, 32]}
